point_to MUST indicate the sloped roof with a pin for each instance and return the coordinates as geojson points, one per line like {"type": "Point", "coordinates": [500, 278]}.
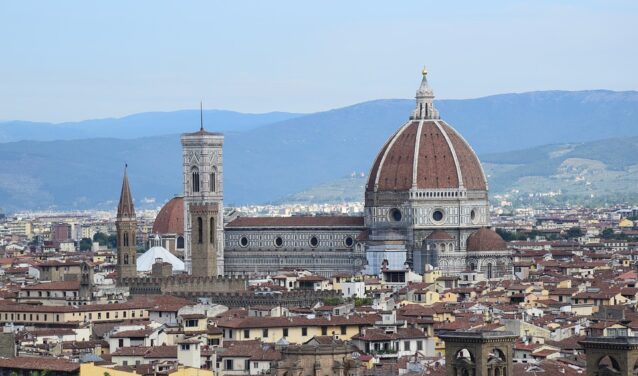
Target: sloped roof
{"type": "Point", "coordinates": [145, 262]}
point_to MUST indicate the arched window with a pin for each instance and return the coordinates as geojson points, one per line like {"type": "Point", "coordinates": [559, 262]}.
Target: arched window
{"type": "Point", "coordinates": [180, 242]}
{"type": "Point", "coordinates": [489, 271]}
{"type": "Point", "coordinates": [211, 235]}
{"type": "Point", "coordinates": [200, 230]}
{"type": "Point", "coordinates": [195, 179]}
{"type": "Point", "coordinates": [125, 259]}
{"type": "Point", "coordinates": [213, 182]}
{"type": "Point", "coordinates": [126, 239]}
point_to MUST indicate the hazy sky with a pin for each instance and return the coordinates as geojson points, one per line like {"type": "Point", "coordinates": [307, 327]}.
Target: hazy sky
{"type": "Point", "coordinates": [73, 60]}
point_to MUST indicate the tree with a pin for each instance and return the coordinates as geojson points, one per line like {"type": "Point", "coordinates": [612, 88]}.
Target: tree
{"type": "Point", "coordinates": [608, 233]}
{"type": "Point", "coordinates": [85, 244]}
{"type": "Point", "coordinates": [112, 241]}
{"type": "Point", "coordinates": [574, 232]}
{"type": "Point", "coordinates": [101, 238]}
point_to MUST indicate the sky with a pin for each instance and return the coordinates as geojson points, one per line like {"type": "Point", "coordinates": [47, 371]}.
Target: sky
{"type": "Point", "coordinates": [75, 60]}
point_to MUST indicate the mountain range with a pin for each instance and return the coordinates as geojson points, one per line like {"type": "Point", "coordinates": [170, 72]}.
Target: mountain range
{"type": "Point", "coordinates": [273, 157]}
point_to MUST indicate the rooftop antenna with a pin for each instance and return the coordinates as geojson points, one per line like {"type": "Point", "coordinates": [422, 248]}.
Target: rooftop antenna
{"type": "Point", "coordinates": [201, 116]}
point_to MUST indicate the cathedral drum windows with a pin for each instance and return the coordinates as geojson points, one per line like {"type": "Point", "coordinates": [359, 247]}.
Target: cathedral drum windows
{"type": "Point", "coordinates": [314, 242]}
{"type": "Point", "coordinates": [243, 241]}
{"type": "Point", "coordinates": [438, 216]}
{"type": "Point", "coordinates": [395, 215]}
{"type": "Point", "coordinates": [348, 241]}
{"type": "Point", "coordinates": [279, 241]}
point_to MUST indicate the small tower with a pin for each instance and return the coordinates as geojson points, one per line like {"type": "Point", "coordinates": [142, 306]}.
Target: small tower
{"type": "Point", "coordinates": [203, 202]}
{"type": "Point", "coordinates": [487, 353]}
{"type": "Point", "coordinates": [424, 100]}
{"type": "Point", "coordinates": [125, 223]}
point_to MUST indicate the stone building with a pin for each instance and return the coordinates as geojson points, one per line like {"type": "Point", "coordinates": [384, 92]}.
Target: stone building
{"type": "Point", "coordinates": [321, 356]}
{"type": "Point", "coordinates": [426, 202]}
{"type": "Point", "coordinates": [608, 356]}
{"type": "Point", "coordinates": [487, 353]}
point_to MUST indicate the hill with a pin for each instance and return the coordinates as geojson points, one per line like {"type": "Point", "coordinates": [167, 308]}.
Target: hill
{"type": "Point", "coordinates": [266, 161]}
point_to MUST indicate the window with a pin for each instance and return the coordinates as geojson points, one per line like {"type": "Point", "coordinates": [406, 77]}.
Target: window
{"type": "Point", "coordinates": [211, 235]}
{"type": "Point", "coordinates": [279, 241]}
{"type": "Point", "coordinates": [247, 364]}
{"type": "Point", "coordinates": [126, 239]}
{"type": "Point", "coordinates": [406, 345]}
{"type": "Point", "coordinates": [304, 331]}
{"type": "Point", "coordinates": [125, 259]}
{"type": "Point", "coordinates": [419, 345]}
{"type": "Point", "coordinates": [212, 182]}
{"type": "Point", "coordinates": [191, 323]}
{"type": "Point", "coordinates": [344, 329]}
{"type": "Point", "coordinates": [349, 241]}
{"type": "Point", "coordinates": [228, 364]}
{"type": "Point", "coordinates": [285, 332]}
{"type": "Point", "coordinates": [314, 241]}
{"type": "Point", "coordinates": [437, 215]}
{"type": "Point", "coordinates": [180, 242]}
{"type": "Point", "coordinates": [186, 346]}
{"type": "Point", "coordinates": [324, 330]}
{"type": "Point", "coordinates": [489, 271]}
{"type": "Point", "coordinates": [195, 179]}
{"type": "Point", "coordinates": [246, 333]}
{"type": "Point", "coordinates": [200, 230]}
{"type": "Point", "coordinates": [120, 342]}
{"type": "Point", "coordinates": [264, 333]}
{"type": "Point", "coordinates": [243, 241]}
{"type": "Point", "coordinates": [395, 215]}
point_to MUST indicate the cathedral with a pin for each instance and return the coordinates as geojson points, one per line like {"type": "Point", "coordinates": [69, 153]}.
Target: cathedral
{"type": "Point", "coordinates": [426, 204]}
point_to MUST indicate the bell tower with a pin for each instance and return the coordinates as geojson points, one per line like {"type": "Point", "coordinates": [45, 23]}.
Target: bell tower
{"type": "Point", "coordinates": [126, 224]}
{"type": "Point", "coordinates": [203, 202]}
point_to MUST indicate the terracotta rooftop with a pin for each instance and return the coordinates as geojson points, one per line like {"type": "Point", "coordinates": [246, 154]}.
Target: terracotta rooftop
{"type": "Point", "coordinates": [170, 219]}
{"type": "Point", "coordinates": [485, 240]}
{"type": "Point", "coordinates": [443, 160]}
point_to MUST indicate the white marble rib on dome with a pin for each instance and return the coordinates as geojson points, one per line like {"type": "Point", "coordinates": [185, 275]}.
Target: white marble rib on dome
{"type": "Point", "coordinates": [147, 259]}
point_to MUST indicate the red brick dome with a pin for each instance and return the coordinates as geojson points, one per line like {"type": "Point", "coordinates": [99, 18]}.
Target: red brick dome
{"type": "Point", "coordinates": [485, 240]}
{"type": "Point", "coordinates": [170, 220]}
{"type": "Point", "coordinates": [426, 154]}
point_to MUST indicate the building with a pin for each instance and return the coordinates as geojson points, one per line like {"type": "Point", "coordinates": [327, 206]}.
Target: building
{"type": "Point", "coordinates": [426, 203]}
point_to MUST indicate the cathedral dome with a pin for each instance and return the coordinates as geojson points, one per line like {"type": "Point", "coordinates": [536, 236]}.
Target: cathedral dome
{"type": "Point", "coordinates": [170, 219]}
{"type": "Point", "coordinates": [485, 240]}
{"type": "Point", "coordinates": [426, 153]}
{"type": "Point", "coordinates": [438, 235]}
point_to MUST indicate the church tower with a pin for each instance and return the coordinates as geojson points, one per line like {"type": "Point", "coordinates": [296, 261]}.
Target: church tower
{"type": "Point", "coordinates": [203, 202]}
{"type": "Point", "coordinates": [125, 223]}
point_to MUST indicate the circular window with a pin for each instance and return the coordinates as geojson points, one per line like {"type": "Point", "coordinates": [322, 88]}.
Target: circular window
{"type": "Point", "coordinates": [395, 215]}
{"type": "Point", "coordinates": [243, 241]}
{"type": "Point", "coordinates": [474, 216]}
{"type": "Point", "coordinates": [349, 241]}
{"type": "Point", "coordinates": [279, 241]}
{"type": "Point", "coordinates": [314, 241]}
{"type": "Point", "coordinates": [437, 215]}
